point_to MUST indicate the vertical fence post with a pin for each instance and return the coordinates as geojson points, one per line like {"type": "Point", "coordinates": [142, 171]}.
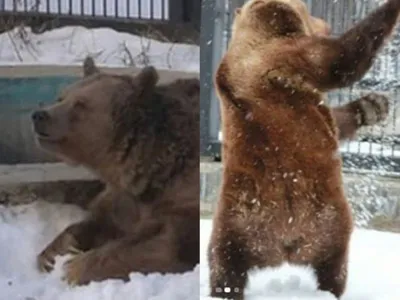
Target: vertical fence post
{"type": "Point", "coordinates": [176, 8]}
{"type": "Point", "coordinates": [192, 13]}
{"type": "Point", "coordinates": [218, 48]}
{"type": "Point", "coordinates": [206, 33]}
{"type": "Point", "coordinates": [211, 43]}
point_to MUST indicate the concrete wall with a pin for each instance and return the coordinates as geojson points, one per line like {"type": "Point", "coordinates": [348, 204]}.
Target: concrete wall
{"type": "Point", "coordinates": [52, 182]}
{"type": "Point", "coordinates": [57, 70]}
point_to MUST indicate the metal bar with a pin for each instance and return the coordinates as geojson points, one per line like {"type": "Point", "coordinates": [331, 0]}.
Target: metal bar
{"type": "Point", "coordinates": [151, 9]}
{"type": "Point", "coordinates": [219, 46]}
{"type": "Point", "coordinates": [139, 9]}
{"type": "Point", "coordinates": [176, 9]}
{"type": "Point", "coordinates": [206, 53]}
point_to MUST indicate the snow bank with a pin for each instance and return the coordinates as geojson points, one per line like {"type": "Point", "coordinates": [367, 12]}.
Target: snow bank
{"type": "Point", "coordinates": [373, 272]}
{"type": "Point", "coordinates": [24, 230]}
{"type": "Point", "coordinates": [70, 45]}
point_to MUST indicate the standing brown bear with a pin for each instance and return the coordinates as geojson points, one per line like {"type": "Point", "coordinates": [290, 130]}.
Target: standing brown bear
{"type": "Point", "coordinates": [282, 197]}
{"type": "Point", "coordinates": [142, 140]}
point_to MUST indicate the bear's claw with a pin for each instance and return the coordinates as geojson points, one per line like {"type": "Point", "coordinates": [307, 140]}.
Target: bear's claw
{"type": "Point", "coordinates": [62, 245]}
{"type": "Point", "coordinates": [45, 262]}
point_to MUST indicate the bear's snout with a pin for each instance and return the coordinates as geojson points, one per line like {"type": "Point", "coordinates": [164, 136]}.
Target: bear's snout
{"type": "Point", "coordinates": [40, 115]}
{"type": "Point", "coordinates": [39, 119]}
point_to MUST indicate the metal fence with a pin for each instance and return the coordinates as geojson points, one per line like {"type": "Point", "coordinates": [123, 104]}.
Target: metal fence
{"type": "Point", "coordinates": [122, 15]}
{"type": "Point", "coordinates": [374, 148]}
{"type": "Point", "coordinates": [149, 9]}
{"type": "Point", "coordinates": [130, 9]}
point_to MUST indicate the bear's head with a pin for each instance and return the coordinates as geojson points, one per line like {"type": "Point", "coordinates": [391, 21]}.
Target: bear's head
{"type": "Point", "coordinates": [278, 18]}
{"type": "Point", "coordinates": [81, 126]}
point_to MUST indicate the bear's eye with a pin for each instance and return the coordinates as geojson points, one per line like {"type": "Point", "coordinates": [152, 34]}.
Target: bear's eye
{"type": "Point", "coordinates": [80, 104]}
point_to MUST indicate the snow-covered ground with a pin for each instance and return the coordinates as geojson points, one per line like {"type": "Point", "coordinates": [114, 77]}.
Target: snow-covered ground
{"type": "Point", "coordinates": [24, 230]}
{"type": "Point", "coordinates": [373, 272]}
{"type": "Point", "coordinates": [70, 45]}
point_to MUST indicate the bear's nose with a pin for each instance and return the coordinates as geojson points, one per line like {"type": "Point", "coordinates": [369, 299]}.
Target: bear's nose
{"type": "Point", "coordinates": [40, 115]}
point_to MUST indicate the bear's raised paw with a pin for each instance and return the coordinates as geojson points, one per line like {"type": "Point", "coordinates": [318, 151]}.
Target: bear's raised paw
{"type": "Point", "coordinates": [371, 109]}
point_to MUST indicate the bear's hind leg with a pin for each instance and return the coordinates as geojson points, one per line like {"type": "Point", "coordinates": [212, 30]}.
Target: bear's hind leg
{"type": "Point", "coordinates": [228, 269]}
{"type": "Point", "coordinates": [332, 273]}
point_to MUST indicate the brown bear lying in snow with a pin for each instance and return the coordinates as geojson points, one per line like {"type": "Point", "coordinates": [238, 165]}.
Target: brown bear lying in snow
{"type": "Point", "coordinates": [282, 196]}
{"type": "Point", "coordinates": [142, 140]}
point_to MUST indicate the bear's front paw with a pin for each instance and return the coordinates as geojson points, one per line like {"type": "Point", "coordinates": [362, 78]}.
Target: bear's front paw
{"type": "Point", "coordinates": [83, 268]}
{"type": "Point", "coordinates": [372, 109]}
{"type": "Point", "coordinates": [60, 246]}
{"type": "Point", "coordinates": [75, 269]}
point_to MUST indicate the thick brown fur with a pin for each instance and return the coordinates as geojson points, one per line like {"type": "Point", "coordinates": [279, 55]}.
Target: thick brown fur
{"type": "Point", "coordinates": [142, 140]}
{"type": "Point", "coordinates": [282, 196]}
{"type": "Point", "coordinates": [367, 110]}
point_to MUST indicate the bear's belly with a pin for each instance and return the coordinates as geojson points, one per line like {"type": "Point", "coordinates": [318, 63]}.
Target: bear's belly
{"type": "Point", "coordinates": [296, 235]}
{"type": "Point", "coordinates": [290, 220]}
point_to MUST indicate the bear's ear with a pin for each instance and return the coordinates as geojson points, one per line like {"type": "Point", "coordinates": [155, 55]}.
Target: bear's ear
{"type": "Point", "coordinates": [146, 80]}
{"type": "Point", "coordinates": [281, 19]}
{"type": "Point", "coordinates": [89, 67]}
{"type": "Point", "coordinates": [238, 11]}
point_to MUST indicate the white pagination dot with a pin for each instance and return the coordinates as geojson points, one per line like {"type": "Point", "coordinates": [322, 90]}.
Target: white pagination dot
{"type": "Point", "coordinates": [227, 290]}
{"type": "Point", "coordinates": [218, 290]}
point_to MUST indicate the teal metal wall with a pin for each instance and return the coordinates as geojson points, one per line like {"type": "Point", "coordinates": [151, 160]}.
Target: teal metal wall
{"type": "Point", "coordinates": [18, 98]}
